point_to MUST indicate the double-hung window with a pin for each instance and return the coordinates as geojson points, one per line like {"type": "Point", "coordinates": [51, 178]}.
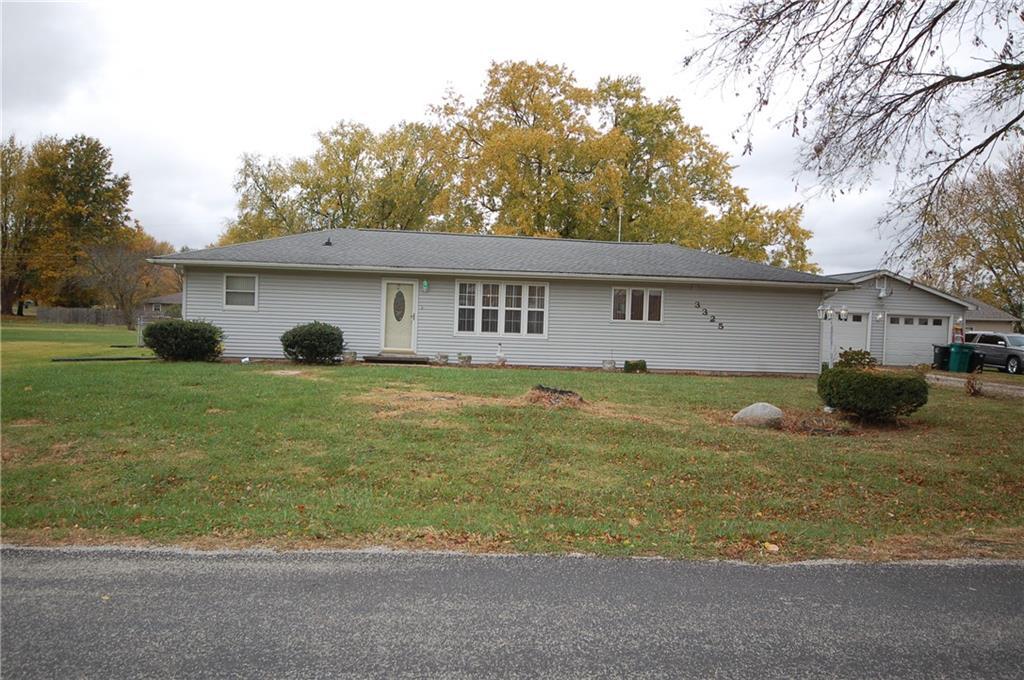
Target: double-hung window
{"type": "Point", "coordinates": [502, 309]}
{"type": "Point", "coordinates": [637, 304]}
{"type": "Point", "coordinates": [489, 307]}
{"type": "Point", "coordinates": [535, 310]}
{"type": "Point", "coordinates": [240, 291]}
{"type": "Point", "coordinates": [513, 308]}
{"type": "Point", "coordinates": [467, 308]}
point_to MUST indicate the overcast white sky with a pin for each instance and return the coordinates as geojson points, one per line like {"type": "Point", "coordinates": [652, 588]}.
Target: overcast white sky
{"type": "Point", "coordinates": [180, 90]}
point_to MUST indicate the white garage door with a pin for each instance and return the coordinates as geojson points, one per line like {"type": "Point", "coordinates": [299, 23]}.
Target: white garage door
{"type": "Point", "coordinates": [849, 334]}
{"type": "Point", "coordinates": [909, 339]}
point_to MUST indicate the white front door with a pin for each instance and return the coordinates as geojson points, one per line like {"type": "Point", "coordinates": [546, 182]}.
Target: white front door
{"type": "Point", "coordinates": [849, 334]}
{"type": "Point", "coordinates": [399, 313]}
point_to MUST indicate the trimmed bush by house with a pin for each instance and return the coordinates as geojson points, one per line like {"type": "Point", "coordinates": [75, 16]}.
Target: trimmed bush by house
{"type": "Point", "coordinates": [638, 366]}
{"type": "Point", "coordinates": [180, 340]}
{"type": "Point", "coordinates": [873, 395]}
{"type": "Point", "coordinates": [855, 358]}
{"type": "Point", "coordinates": [313, 343]}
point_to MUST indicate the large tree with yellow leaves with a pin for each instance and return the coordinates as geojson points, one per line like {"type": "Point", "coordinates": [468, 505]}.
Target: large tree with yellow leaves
{"type": "Point", "coordinates": [536, 154]}
{"type": "Point", "coordinates": [59, 198]}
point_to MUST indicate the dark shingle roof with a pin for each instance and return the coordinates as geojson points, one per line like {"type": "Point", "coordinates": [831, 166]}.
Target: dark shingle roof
{"type": "Point", "coordinates": [986, 312]}
{"type": "Point", "coordinates": [440, 251]}
{"type": "Point", "coordinates": [169, 299]}
{"type": "Point", "coordinates": [853, 276]}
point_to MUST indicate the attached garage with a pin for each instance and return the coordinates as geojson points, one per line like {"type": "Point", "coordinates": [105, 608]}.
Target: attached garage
{"type": "Point", "coordinates": [895, 318]}
{"type": "Point", "coordinates": [909, 339]}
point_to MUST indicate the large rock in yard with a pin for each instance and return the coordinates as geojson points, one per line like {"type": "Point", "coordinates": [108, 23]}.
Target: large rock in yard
{"type": "Point", "coordinates": [760, 414]}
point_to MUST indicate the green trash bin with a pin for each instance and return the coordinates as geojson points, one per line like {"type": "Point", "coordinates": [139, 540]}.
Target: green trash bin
{"type": "Point", "coordinates": [959, 357]}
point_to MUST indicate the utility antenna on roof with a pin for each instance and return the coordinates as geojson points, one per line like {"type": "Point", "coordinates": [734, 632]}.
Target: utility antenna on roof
{"type": "Point", "coordinates": [620, 224]}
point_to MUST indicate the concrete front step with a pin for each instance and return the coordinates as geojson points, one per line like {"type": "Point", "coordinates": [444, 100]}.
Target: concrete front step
{"type": "Point", "coordinates": [395, 358]}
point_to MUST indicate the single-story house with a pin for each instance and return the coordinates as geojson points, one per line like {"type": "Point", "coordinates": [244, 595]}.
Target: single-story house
{"type": "Point", "coordinates": [161, 304]}
{"type": "Point", "coordinates": [896, 318]}
{"type": "Point", "coordinates": [535, 301]}
{"type": "Point", "coordinates": [985, 317]}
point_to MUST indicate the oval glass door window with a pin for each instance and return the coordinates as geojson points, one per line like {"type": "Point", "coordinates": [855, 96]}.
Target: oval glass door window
{"type": "Point", "coordinates": [399, 306]}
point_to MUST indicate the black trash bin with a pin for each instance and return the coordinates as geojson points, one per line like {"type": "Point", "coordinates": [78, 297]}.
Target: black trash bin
{"type": "Point", "coordinates": [976, 362]}
{"type": "Point", "coordinates": [940, 357]}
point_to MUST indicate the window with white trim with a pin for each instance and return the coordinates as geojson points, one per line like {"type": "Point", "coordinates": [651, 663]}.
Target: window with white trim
{"type": "Point", "coordinates": [654, 304]}
{"type": "Point", "coordinates": [467, 308]}
{"type": "Point", "coordinates": [240, 290]}
{"type": "Point", "coordinates": [157, 307]}
{"type": "Point", "coordinates": [535, 310]}
{"type": "Point", "coordinates": [513, 308]}
{"type": "Point", "coordinates": [495, 308]}
{"type": "Point", "coordinates": [637, 304]}
{"type": "Point", "coordinates": [489, 307]}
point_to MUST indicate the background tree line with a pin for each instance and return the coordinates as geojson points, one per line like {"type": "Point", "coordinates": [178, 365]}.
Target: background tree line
{"type": "Point", "coordinates": [537, 154]}
{"type": "Point", "coordinates": [68, 238]}
{"type": "Point", "coordinates": [975, 243]}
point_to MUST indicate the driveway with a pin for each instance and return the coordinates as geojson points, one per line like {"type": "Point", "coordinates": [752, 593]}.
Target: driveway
{"type": "Point", "coordinates": [157, 613]}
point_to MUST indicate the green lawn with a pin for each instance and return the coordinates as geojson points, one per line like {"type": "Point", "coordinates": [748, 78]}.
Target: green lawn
{"type": "Point", "coordinates": [230, 454]}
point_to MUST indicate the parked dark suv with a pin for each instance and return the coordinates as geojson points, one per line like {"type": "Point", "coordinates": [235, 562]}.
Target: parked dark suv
{"type": "Point", "coordinates": [1002, 350]}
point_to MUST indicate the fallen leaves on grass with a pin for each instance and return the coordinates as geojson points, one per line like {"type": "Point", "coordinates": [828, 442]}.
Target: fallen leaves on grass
{"type": "Point", "coordinates": [11, 452]}
{"type": "Point", "coordinates": [394, 403]}
{"type": "Point", "coordinates": [997, 543]}
{"type": "Point", "coordinates": [817, 424]}
{"type": "Point", "coordinates": [295, 373]}
{"type": "Point", "coordinates": [397, 401]}
{"type": "Point", "coordinates": [26, 422]}
{"type": "Point", "coordinates": [552, 397]}
{"type": "Point", "coordinates": [399, 538]}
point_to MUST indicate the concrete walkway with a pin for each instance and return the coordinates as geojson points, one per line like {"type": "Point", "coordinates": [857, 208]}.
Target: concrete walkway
{"type": "Point", "coordinates": [988, 387]}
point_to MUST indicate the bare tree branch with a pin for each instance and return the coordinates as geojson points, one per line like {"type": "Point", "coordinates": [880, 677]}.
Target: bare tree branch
{"type": "Point", "coordinates": [928, 88]}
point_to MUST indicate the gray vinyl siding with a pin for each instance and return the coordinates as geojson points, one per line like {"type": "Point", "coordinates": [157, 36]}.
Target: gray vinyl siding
{"type": "Point", "coordinates": [994, 326]}
{"type": "Point", "coordinates": [904, 300]}
{"type": "Point", "coordinates": [766, 329]}
{"type": "Point", "coordinates": [286, 299]}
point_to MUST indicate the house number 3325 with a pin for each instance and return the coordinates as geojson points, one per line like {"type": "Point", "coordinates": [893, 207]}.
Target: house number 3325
{"type": "Point", "coordinates": [711, 317]}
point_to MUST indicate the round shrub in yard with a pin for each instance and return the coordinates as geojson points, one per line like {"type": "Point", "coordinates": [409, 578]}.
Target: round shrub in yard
{"type": "Point", "coordinates": [871, 394]}
{"type": "Point", "coordinates": [180, 340]}
{"type": "Point", "coordinates": [313, 343]}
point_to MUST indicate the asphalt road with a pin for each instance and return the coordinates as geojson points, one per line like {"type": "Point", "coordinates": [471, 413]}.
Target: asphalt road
{"type": "Point", "coordinates": [107, 613]}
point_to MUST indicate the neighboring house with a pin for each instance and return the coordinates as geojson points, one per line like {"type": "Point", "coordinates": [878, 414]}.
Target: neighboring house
{"type": "Point", "coordinates": [895, 318]}
{"type": "Point", "coordinates": [988, 318]}
{"type": "Point", "coordinates": [162, 305]}
{"type": "Point", "coordinates": [544, 302]}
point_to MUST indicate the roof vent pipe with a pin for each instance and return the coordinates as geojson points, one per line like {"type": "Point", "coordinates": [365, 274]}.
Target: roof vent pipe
{"type": "Point", "coordinates": [328, 242]}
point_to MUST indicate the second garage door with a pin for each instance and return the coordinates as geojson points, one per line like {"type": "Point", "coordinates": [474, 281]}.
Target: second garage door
{"type": "Point", "coordinates": [909, 339]}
